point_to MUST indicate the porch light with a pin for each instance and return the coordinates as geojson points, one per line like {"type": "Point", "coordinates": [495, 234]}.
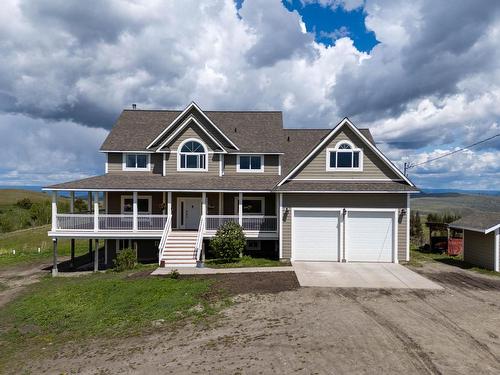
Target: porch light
{"type": "Point", "coordinates": [402, 211]}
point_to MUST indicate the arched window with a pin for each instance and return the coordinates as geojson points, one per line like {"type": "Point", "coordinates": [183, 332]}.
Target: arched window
{"type": "Point", "coordinates": [192, 155]}
{"type": "Point", "coordinates": [344, 157]}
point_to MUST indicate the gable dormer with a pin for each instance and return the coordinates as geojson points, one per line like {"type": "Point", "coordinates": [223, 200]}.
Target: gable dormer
{"type": "Point", "coordinates": [193, 117]}
{"type": "Point", "coordinates": [345, 154]}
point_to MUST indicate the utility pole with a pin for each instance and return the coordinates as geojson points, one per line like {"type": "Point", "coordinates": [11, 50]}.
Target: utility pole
{"type": "Point", "coordinates": [405, 167]}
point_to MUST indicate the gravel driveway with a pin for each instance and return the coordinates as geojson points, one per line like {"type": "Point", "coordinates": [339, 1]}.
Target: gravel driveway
{"type": "Point", "coordinates": [320, 331]}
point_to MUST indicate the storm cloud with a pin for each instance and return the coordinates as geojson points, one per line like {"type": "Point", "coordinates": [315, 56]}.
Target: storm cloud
{"type": "Point", "coordinates": [68, 68]}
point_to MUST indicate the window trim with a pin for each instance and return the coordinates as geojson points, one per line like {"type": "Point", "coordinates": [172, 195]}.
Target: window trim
{"type": "Point", "coordinates": [150, 204]}
{"type": "Point", "coordinates": [262, 205]}
{"type": "Point", "coordinates": [179, 153]}
{"type": "Point", "coordinates": [337, 149]}
{"type": "Point", "coordinates": [261, 170]}
{"type": "Point", "coordinates": [135, 169]}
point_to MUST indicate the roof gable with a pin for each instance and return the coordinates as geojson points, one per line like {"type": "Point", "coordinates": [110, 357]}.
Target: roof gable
{"type": "Point", "coordinates": [190, 128]}
{"type": "Point", "coordinates": [194, 112]}
{"type": "Point", "coordinates": [344, 124]}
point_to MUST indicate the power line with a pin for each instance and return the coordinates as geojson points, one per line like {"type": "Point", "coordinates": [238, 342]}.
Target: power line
{"type": "Point", "coordinates": [409, 166]}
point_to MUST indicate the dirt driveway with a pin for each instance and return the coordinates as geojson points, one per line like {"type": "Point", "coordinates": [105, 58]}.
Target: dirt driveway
{"type": "Point", "coordinates": [320, 331]}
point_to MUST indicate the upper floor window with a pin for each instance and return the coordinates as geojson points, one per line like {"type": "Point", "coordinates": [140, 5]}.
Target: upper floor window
{"type": "Point", "coordinates": [344, 157]}
{"type": "Point", "coordinates": [136, 162]}
{"type": "Point", "coordinates": [250, 163]}
{"type": "Point", "coordinates": [192, 156]}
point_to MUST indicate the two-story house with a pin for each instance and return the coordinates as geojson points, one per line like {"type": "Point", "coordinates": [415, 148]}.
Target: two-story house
{"type": "Point", "coordinates": [173, 177]}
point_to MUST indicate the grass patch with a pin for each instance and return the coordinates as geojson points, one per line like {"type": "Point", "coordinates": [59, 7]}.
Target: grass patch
{"type": "Point", "coordinates": [58, 310]}
{"type": "Point", "coordinates": [418, 258]}
{"type": "Point", "coordinates": [245, 261]}
{"type": "Point", "coordinates": [26, 243]}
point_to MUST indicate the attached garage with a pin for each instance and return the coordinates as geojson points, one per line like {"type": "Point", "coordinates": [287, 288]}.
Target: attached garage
{"type": "Point", "coordinates": [367, 236]}
{"type": "Point", "coordinates": [370, 236]}
{"type": "Point", "coordinates": [316, 235]}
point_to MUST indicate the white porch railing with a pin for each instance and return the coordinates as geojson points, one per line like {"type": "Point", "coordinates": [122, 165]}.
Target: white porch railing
{"type": "Point", "coordinates": [115, 222]}
{"type": "Point", "coordinates": [213, 222]}
{"type": "Point", "coordinates": [75, 222]}
{"type": "Point", "coordinates": [260, 223]}
{"type": "Point", "coordinates": [164, 236]}
{"type": "Point", "coordinates": [199, 238]}
{"type": "Point", "coordinates": [109, 222]}
{"type": "Point", "coordinates": [249, 223]}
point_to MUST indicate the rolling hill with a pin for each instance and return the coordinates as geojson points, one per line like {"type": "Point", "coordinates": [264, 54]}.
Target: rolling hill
{"type": "Point", "coordinates": [461, 204]}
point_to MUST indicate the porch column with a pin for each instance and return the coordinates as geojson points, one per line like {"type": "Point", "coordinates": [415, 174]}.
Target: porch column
{"type": "Point", "coordinates": [89, 201]}
{"type": "Point", "coordinates": [72, 202]}
{"type": "Point", "coordinates": [54, 261]}
{"type": "Point", "coordinates": [164, 201]}
{"type": "Point", "coordinates": [96, 211]}
{"type": "Point", "coordinates": [72, 251]}
{"type": "Point", "coordinates": [169, 203]}
{"type": "Point", "coordinates": [240, 208]}
{"type": "Point", "coordinates": [106, 252]}
{"type": "Point", "coordinates": [96, 256]}
{"type": "Point", "coordinates": [221, 201]}
{"type": "Point", "coordinates": [134, 211]}
{"type": "Point", "coordinates": [203, 204]}
{"type": "Point", "coordinates": [54, 210]}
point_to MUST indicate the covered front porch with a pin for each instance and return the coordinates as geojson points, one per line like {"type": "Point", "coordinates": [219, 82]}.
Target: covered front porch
{"type": "Point", "coordinates": [113, 214]}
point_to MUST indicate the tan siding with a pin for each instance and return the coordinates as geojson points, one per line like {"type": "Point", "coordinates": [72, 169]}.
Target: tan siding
{"type": "Point", "coordinates": [271, 163]}
{"type": "Point", "coordinates": [343, 200]}
{"type": "Point", "coordinates": [115, 160]}
{"type": "Point", "coordinates": [213, 166]}
{"type": "Point", "coordinates": [373, 166]}
{"type": "Point", "coordinates": [157, 163]}
{"type": "Point", "coordinates": [479, 248]}
{"type": "Point", "coordinates": [192, 132]}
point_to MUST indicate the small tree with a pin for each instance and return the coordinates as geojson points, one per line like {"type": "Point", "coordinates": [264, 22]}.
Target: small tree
{"type": "Point", "coordinates": [125, 260]}
{"type": "Point", "coordinates": [416, 230]}
{"type": "Point", "coordinates": [229, 241]}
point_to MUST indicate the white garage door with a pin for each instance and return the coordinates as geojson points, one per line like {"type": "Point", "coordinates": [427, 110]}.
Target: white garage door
{"type": "Point", "coordinates": [315, 235]}
{"type": "Point", "coordinates": [369, 236]}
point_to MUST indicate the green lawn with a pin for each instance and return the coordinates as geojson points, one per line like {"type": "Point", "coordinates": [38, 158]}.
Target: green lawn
{"type": "Point", "coordinates": [245, 261]}
{"type": "Point", "coordinates": [58, 310]}
{"type": "Point", "coordinates": [418, 258]}
{"type": "Point", "coordinates": [26, 243]}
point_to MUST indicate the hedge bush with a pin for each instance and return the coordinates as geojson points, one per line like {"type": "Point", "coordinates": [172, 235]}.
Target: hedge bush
{"type": "Point", "coordinates": [229, 242]}
{"type": "Point", "coordinates": [125, 260]}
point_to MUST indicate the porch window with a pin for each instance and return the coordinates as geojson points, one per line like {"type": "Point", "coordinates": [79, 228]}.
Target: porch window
{"type": "Point", "coordinates": [251, 205]}
{"type": "Point", "coordinates": [250, 163]}
{"type": "Point", "coordinates": [143, 204]}
{"type": "Point", "coordinates": [192, 156]}
{"type": "Point", "coordinates": [136, 162]}
{"type": "Point", "coordinates": [344, 157]}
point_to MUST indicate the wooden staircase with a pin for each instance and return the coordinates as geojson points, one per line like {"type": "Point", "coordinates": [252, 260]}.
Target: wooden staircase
{"type": "Point", "coordinates": [179, 249]}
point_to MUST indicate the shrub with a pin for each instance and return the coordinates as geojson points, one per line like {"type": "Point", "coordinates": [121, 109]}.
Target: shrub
{"type": "Point", "coordinates": [174, 274]}
{"type": "Point", "coordinates": [41, 213]}
{"type": "Point", "coordinates": [125, 260]}
{"type": "Point", "coordinates": [229, 241]}
{"type": "Point", "coordinates": [25, 203]}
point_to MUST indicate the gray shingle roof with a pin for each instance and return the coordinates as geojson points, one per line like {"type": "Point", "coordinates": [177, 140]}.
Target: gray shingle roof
{"type": "Point", "coordinates": [148, 181]}
{"type": "Point", "coordinates": [480, 222]}
{"type": "Point", "coordinates": [251, 131]}
{"type": "Point", "coordinates": [392, 186]}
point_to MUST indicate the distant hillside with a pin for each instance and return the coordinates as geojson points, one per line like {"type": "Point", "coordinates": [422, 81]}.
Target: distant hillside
{"type": "Point", "coordinates": [461, 204]}
{"type": "Point", "coordinates": [9, 197]}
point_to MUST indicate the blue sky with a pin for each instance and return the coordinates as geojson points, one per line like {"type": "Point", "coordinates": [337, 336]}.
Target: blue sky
{"type": "Point", "coordinates": [329, 24]}
{"type": "Point", "coordinates": [402, 69]}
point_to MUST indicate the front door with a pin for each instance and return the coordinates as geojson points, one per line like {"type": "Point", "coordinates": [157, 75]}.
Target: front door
{"type": "Point", "coordinates": [190, 213]}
